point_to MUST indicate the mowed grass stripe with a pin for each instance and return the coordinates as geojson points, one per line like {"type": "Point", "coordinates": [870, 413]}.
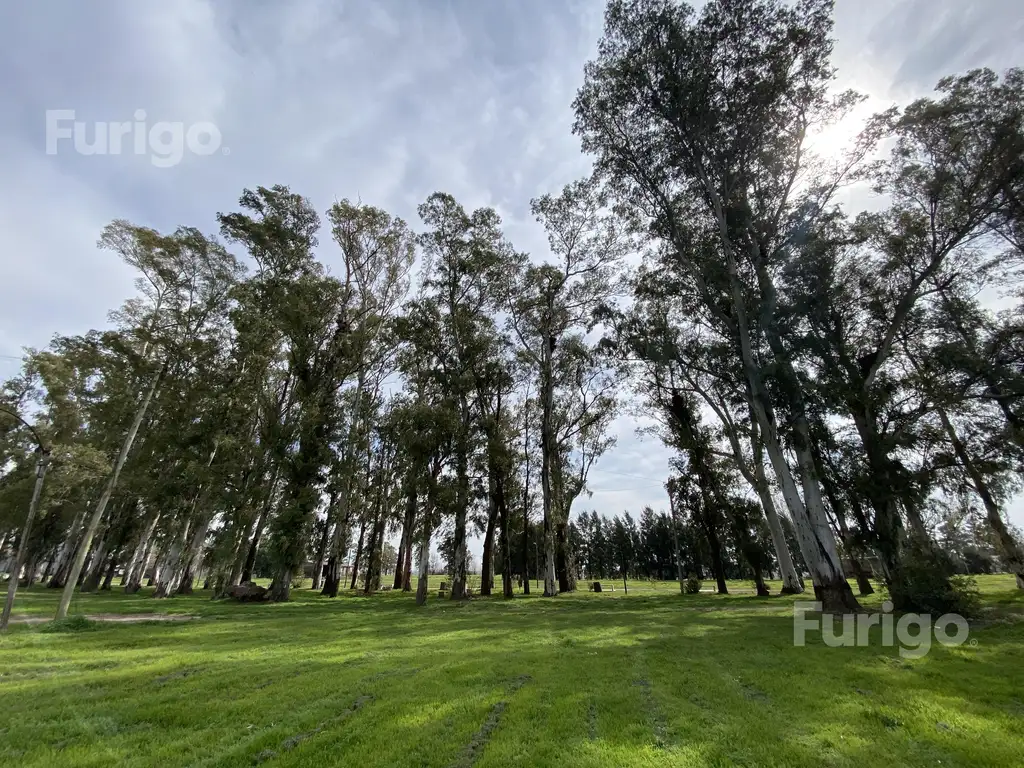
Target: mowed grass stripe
{"type": "Point", "coordinates": [725, 685]}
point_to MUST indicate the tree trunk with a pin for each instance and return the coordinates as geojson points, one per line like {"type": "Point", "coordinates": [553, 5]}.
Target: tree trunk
{"type": "Point", "coordinates": [403, 565]}
{"type": "Point", "coordinates": [1010, 549]}
{"type": "Point", "coordinates": [839, 512]}
{"type": "Point", "coordinates": [762, 588]}
{"type": "Point", "coordinates": [459, 570]}
{"type": "Point", "coordinates": [97, 569]}
{"type": "Point", "coordinates": [675, 543]}
{"type": "Point", "coordinates": [339, 544]}
{"type": "Point", "coordinates": [136, 566]}
{"type": "Point", "coordinates": [193, 559]}
{"type": "Point", "coordinates": [26, 532]}
{"type": "Point", "coordinates": [715, 548]}
{"type": "Point", "coordinates": [424, 565]}
{"type": "Point", "coordinates": [817, 544]}
{"type": "Point", "coordinates": [373, 561]}
{"type": "Point", "coordinates": [565, 566]}
{"type": "Point", "coordinates": [325, 538]}
{"type": "Point", "coordinates": [887, 528]}
{"type": "Point", "coordinates": [359, 554]}
{"type": "Point", "coordinates": [67, 552]}
{"type": "Point", "coordinates": [834, 591]}
{"type": "Point", "coordinates": [526, 501]}
{"type": "Point", "coordinates": [547, 453]}
{"type": "Point", "coordinates": [257, 533]}
{"type": "Point", "coordinates": [792, 584]}
{"type": "Point", "coordinates": [506, 539]}
{"type": "Point", "coordinates": [318, 560]}
{"type": "Point", "coordinates": [407, 576]}
{"type": "Point", "coordinates": [487, 555]}
{"type": "Point", "coordinates": [135, 582]}
{"type": "Point", "coordinates": [101, 505]}
{"type": "Point", "coordinates": [25, 574]}
{"type": "Point", "coordinates": [47, 570]}
{"type": "Point", "coordinates": [167, 581]}
{"type": "Point", "coordinates": [110, 573]}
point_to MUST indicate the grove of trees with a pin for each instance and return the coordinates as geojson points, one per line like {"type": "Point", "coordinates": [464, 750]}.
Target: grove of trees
{"type": "Point", "coordinates": [842, 391]}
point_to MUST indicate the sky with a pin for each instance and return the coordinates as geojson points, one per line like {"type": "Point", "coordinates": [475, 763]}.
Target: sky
{"type": "Point", "coordinates": [384, 102]}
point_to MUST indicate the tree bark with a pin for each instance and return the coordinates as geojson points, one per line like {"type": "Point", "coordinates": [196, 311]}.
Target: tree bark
{"type": "Point", "coordinates": [325, 538]}
{"type": "Point", "coordinates": [99, 562]}
{"type": "Point", "coordinates": [373, 565]}
{"type": "Point", "coordinates": [193, 559]}
{"type": "Point", "coordinates": [339, 545]}
{"type": "Point", "coordinates": [1010, 549]}
{"type": "Point", "coordinates": [166, 582]}
{"type": "Point", "coordinates": [403, 564]}
{"type": "Point", "coordinates": [792, 584]}
{"type": "Point", "coordinates": [23, 544]}
{"type": "Point", "coordinates": [101, 505]}
{"type": "Point", "coordinates": [506, 539]}
{"type": "Point", "coordinates": [547, 452]}
{"type": "Point", "coordinates": [459, 570]}
{"type": "Point", "coordinates": [675, 542]}
{"type": "Point", "coordinates": [137, 565]}
{"type": "Point", "coordinates": [487, 555]}
{"type": "Point", "coordinates": [565, 566]}
{"type": "Point", "coordinates": [258, 529]}
{"type": "Point", "coordinates": [424, 559]}
{"type": "Point", "coordinates": [817, 544]}
{"type": "Point", "coordinates": [359, 554]}
{"type": "Point", "coordinates": [67, 552]}
{"type": "Point", "coordinates": [111, 568]}
{"type": "Point", "coordinates": [407, 574]}
{"type": "Point", "coordinates": [714, 546]}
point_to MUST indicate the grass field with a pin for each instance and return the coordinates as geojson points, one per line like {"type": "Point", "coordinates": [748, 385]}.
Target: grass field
{"type": "Point", "coordinates": [651, 678]}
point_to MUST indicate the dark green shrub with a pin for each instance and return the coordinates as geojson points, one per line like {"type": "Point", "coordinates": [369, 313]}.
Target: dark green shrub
{"type": "Point", "coordinates": [693, 584]}
{"type": "Point", "coordinates": [69, 624]}
{"type": "Point", "coordinates": [927, 582]}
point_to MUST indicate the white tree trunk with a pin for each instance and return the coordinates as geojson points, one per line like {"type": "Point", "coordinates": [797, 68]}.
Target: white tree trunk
{"type": "Point", "coordinates": [817, 544]}
{"type": "Point", "coordinates": [108, 490]}
{"type": "Point", "coordinates": [791, 583]}
{"type": "Point", "coordinates": [424, 569]}
{"type": "Point", "coordinates": [12, 584]}
{"type": "Point", "coordinates": [547, 450]}
{"type": "Point", "coordinates": [170, 562]}
{"type": "Point", "coordinates": [137, 567]}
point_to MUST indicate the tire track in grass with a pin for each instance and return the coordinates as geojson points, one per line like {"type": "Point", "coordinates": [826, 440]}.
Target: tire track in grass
{"type": "Point", "coordinates": [293, 741]}
{"type": "Point", "coordinates": [240, 747]}
{"type": "Point", "coordinates": [659, 726]}
{"type": "Point", "coordinates": [474, 749]}
{"type": "Point", "coordinates": [654, 713]}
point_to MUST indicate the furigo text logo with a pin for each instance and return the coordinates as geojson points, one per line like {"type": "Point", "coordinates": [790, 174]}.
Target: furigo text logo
{"type": "Point", "coordinates": [164, 142]}
{"type": "Point", "coordinates": [913, 631]}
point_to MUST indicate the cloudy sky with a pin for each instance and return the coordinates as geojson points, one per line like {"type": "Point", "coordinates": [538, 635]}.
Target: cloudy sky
{"type": "Point", "coordinates": [385, 101]}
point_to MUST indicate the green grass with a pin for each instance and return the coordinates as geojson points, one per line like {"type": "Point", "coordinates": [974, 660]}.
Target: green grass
{"type": "Point", "coordinates": [651, 678]}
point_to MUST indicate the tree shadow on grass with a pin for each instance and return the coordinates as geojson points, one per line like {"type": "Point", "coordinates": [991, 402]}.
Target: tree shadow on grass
{"type": "Point", "coordinates": [645, 680]}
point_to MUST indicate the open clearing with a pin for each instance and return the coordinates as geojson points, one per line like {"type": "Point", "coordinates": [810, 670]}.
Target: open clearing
{"type": "Point", "coordinates": [651, 678]}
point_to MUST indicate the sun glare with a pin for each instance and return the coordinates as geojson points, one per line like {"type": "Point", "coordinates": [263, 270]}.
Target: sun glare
{"type": "Point", "coordinates": [834, 140]}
